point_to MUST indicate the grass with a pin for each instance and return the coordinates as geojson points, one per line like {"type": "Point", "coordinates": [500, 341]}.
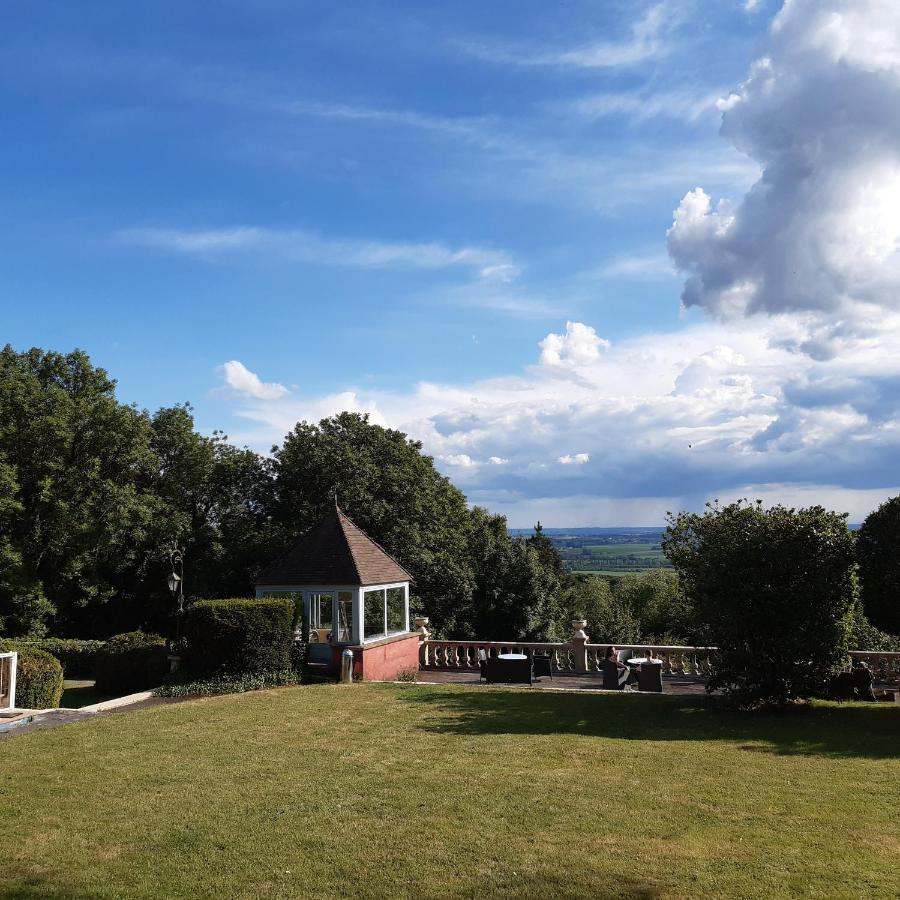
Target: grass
{"type": "Point", "coordinates": [419, 791]}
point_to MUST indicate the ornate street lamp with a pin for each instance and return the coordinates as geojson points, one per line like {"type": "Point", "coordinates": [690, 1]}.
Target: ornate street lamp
{"type": "Point", "coordinates": [176, 578]}
{"type": "Point", "coordinates": [175, 581]}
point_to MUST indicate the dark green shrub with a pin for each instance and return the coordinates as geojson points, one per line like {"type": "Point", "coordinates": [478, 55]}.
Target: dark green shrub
{"type": "Point", "coordinates": [131, 662]}
{"type": "Point", "coordinates": [239, 636]}
{"type": "Point", "coordinates": [78, 657]}
{"type": "Point", "coordinates": [774, 589]}
{"type": "Point", "coordinates": [228, 684]}
{"type": "Point", "coordinates": [39, 677]}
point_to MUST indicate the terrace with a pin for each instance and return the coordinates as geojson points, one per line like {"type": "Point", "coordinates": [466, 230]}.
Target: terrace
{"type": "Point", "coordinates": [577, 663]}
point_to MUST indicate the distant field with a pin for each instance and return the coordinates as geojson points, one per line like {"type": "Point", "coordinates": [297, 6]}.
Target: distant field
{"type": "Point", "coordinates": [608, 573]}
{"type": "Point", "coordinates": [611, 554]}
{"type": "Point", "coordinates": [640, 550]}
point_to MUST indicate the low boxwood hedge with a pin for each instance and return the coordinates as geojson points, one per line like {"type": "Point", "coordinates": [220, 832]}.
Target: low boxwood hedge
{"type": "Point", "coordinates": [228, 684]}
{"type": "Point", "coordinates": [39, 677]}
{"type": "Point", "coordinates": [131, 662]}
{"type": "Point", "coordinates": [239, 636]}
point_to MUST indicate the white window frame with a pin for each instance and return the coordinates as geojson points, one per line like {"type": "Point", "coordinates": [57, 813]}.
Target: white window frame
{"type": "Point", "coordinates": [357, 634]}
{"type": "Point", "coordinates": [13, 656]}
{"type": "Point", "coordinates": [384, 588]}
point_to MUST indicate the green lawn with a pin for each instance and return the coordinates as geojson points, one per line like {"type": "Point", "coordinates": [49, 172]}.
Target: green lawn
{"type": "Point", "coordinates": [416, 791]}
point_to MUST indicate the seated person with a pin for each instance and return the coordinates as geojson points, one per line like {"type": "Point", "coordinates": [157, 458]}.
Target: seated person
{"type": "Point", "coordinates": [625, 673]}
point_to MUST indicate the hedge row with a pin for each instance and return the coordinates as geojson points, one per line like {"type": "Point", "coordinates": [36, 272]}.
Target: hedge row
{"type": "Point", "coordinates": [39, 677]}
{"type": "Point", "coordinates": [239, 637]}
{"type": "Point", "coordinates": [228, 684]}
{"type": "Point", "coordinates": [78, 658]}
{"type": "Point", "coordinates": [131, 662]}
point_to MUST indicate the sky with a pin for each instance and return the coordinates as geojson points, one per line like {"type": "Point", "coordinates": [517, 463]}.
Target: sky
{"type": "Point", "coordinates": [604, 258]}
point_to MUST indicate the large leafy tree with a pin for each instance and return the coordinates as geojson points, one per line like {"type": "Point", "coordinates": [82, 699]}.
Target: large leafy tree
{"type": "Point", "coordinates": [775, 589]}
{"type": "Point", "coordinates": [515, 594]}
{"type": "Point", "coordinates": [74, 512]}
{"type": "Point", "coordinates": [609, 619]}
{"type": "Point", "coordinates": [93, 492]}
{"type": "Point", "coordinates": [878, 552]}
{"type": "Point", "coordinates": [470, 577]}
{"type": "Point", "coordinates": [392, 491]}
{"type": "Point", "coordinates": [658, 603]}
{"type": "Point", "coordinates": [219, 501]}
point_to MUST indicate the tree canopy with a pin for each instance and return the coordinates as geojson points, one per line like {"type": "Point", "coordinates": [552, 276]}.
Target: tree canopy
{"type": "Point", "coordinates": [774, 589]}
{"type": "Point", "coordinates": [878, 552]}
{"type": "Point", "coordinates": [94, 492]}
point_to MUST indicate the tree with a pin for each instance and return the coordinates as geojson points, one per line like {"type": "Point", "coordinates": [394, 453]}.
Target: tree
{"type": "Point", "coordinates": [659, 605]}
{"type": "Point", "coordinates": [73, 510]}
{"type": "Point", "coordinates": [220, 500]}
{"type": "Point", "coordinates": [92, 492]}
{"type": "Point", "coordinates": [392, 491]}
{"type": "Point", "coordinates": [609, 620]}
{"type": "Point", "coordinates": [775, 591]}
{"type": "Point", "coordinates": [878, 553]}
{"type": "Point", "coordinates": [469, 576]}
{"type": "Point", "coordinates": [546, 551]}
{"type": "Point", "coordinates": [514, 594]}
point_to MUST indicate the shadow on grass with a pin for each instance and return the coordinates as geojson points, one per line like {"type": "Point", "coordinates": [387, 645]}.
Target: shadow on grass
{"type": "Point", "coordinates": [40, 888]}
{"type": "Point", "coordinates": [76, 695]}
{"type": "Point", "coordinates": [852, 730]}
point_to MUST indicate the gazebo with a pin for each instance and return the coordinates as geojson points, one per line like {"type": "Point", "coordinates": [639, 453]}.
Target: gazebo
{"type": "Point", "coordinates": [354, 595]}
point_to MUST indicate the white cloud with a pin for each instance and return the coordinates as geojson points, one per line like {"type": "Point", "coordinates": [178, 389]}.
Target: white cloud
{"type": "Point", "coordinates": [575, 459]}
{"type": "Point", "coordinates": [579, 346]}
{"type": "Point", "coordinates": [640, 267]}
{"type": "Point", "coordinates": [818, 235]}
{"type": "Point", "coordinates": [462, 460]}
{"type": "Point", "coordinates": [648, 39]}
{"type": "Point", "coordinates": [239, 378]}
{"type": "Point", "coordinates": [666, 421]}
{"type": "Point", "coordinates": [639, 106]}
{"type": "Point", "coordinates": [303, 246]}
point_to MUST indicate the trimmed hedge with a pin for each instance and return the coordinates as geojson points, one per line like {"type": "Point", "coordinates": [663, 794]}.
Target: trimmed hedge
{"type": "Point", "coordinates": [238, 637]}
{"type": "Point", "coordinates": [78, 658]}
{"type": "Point", "coordinates": [228, 684]}
{"type": "Point", "coordinates": [39, 677]}
{"type": "Point", "coordinates": [131, 662]}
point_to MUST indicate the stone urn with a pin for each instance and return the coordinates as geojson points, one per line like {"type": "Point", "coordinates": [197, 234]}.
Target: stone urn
{"type": "Point", "coordinates": [578, 629]}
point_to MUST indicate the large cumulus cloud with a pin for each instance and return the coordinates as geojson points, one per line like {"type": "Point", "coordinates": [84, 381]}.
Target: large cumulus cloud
{"type": "Point", "coordinates": [817, 238]}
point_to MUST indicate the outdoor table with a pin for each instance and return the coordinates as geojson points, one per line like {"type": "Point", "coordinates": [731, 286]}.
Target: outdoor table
{"type": "Point", "coordinates": [642, 660]}
{"type": "Point", "coordinates": [512, 656]}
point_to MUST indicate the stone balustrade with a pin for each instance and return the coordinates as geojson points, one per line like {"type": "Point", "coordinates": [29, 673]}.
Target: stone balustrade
{"type": "Point", "coordinates": [577, 655]}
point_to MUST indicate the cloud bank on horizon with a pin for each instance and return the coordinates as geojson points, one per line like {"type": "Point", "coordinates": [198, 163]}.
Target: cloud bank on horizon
{"type": "Point", "coordinates": [789, 391]}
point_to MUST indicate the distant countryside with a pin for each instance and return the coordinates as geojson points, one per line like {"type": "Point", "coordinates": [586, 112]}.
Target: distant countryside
{"type": "Point", "coordinates": [608, 551]}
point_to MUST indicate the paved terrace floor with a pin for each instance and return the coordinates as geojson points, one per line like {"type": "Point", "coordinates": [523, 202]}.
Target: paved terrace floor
{"type": "Point", "coordinates": [591, 681]}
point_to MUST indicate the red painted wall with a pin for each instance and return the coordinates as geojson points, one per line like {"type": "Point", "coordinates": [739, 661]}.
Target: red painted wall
{"type": "Point", "coordinates": [384, 662]}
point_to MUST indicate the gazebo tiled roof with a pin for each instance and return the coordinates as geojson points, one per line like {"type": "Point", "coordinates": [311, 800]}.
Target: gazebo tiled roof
{"type": "Point", "coordinates": [334, 552]}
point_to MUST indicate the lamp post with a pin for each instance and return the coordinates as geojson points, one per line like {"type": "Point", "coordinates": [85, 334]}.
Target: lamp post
{"type": "Point", "coordinates": [175, 582]}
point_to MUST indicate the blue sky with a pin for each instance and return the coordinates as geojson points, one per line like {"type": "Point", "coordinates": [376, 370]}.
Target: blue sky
{"type": "Point", "coordinates": [456, 218]}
